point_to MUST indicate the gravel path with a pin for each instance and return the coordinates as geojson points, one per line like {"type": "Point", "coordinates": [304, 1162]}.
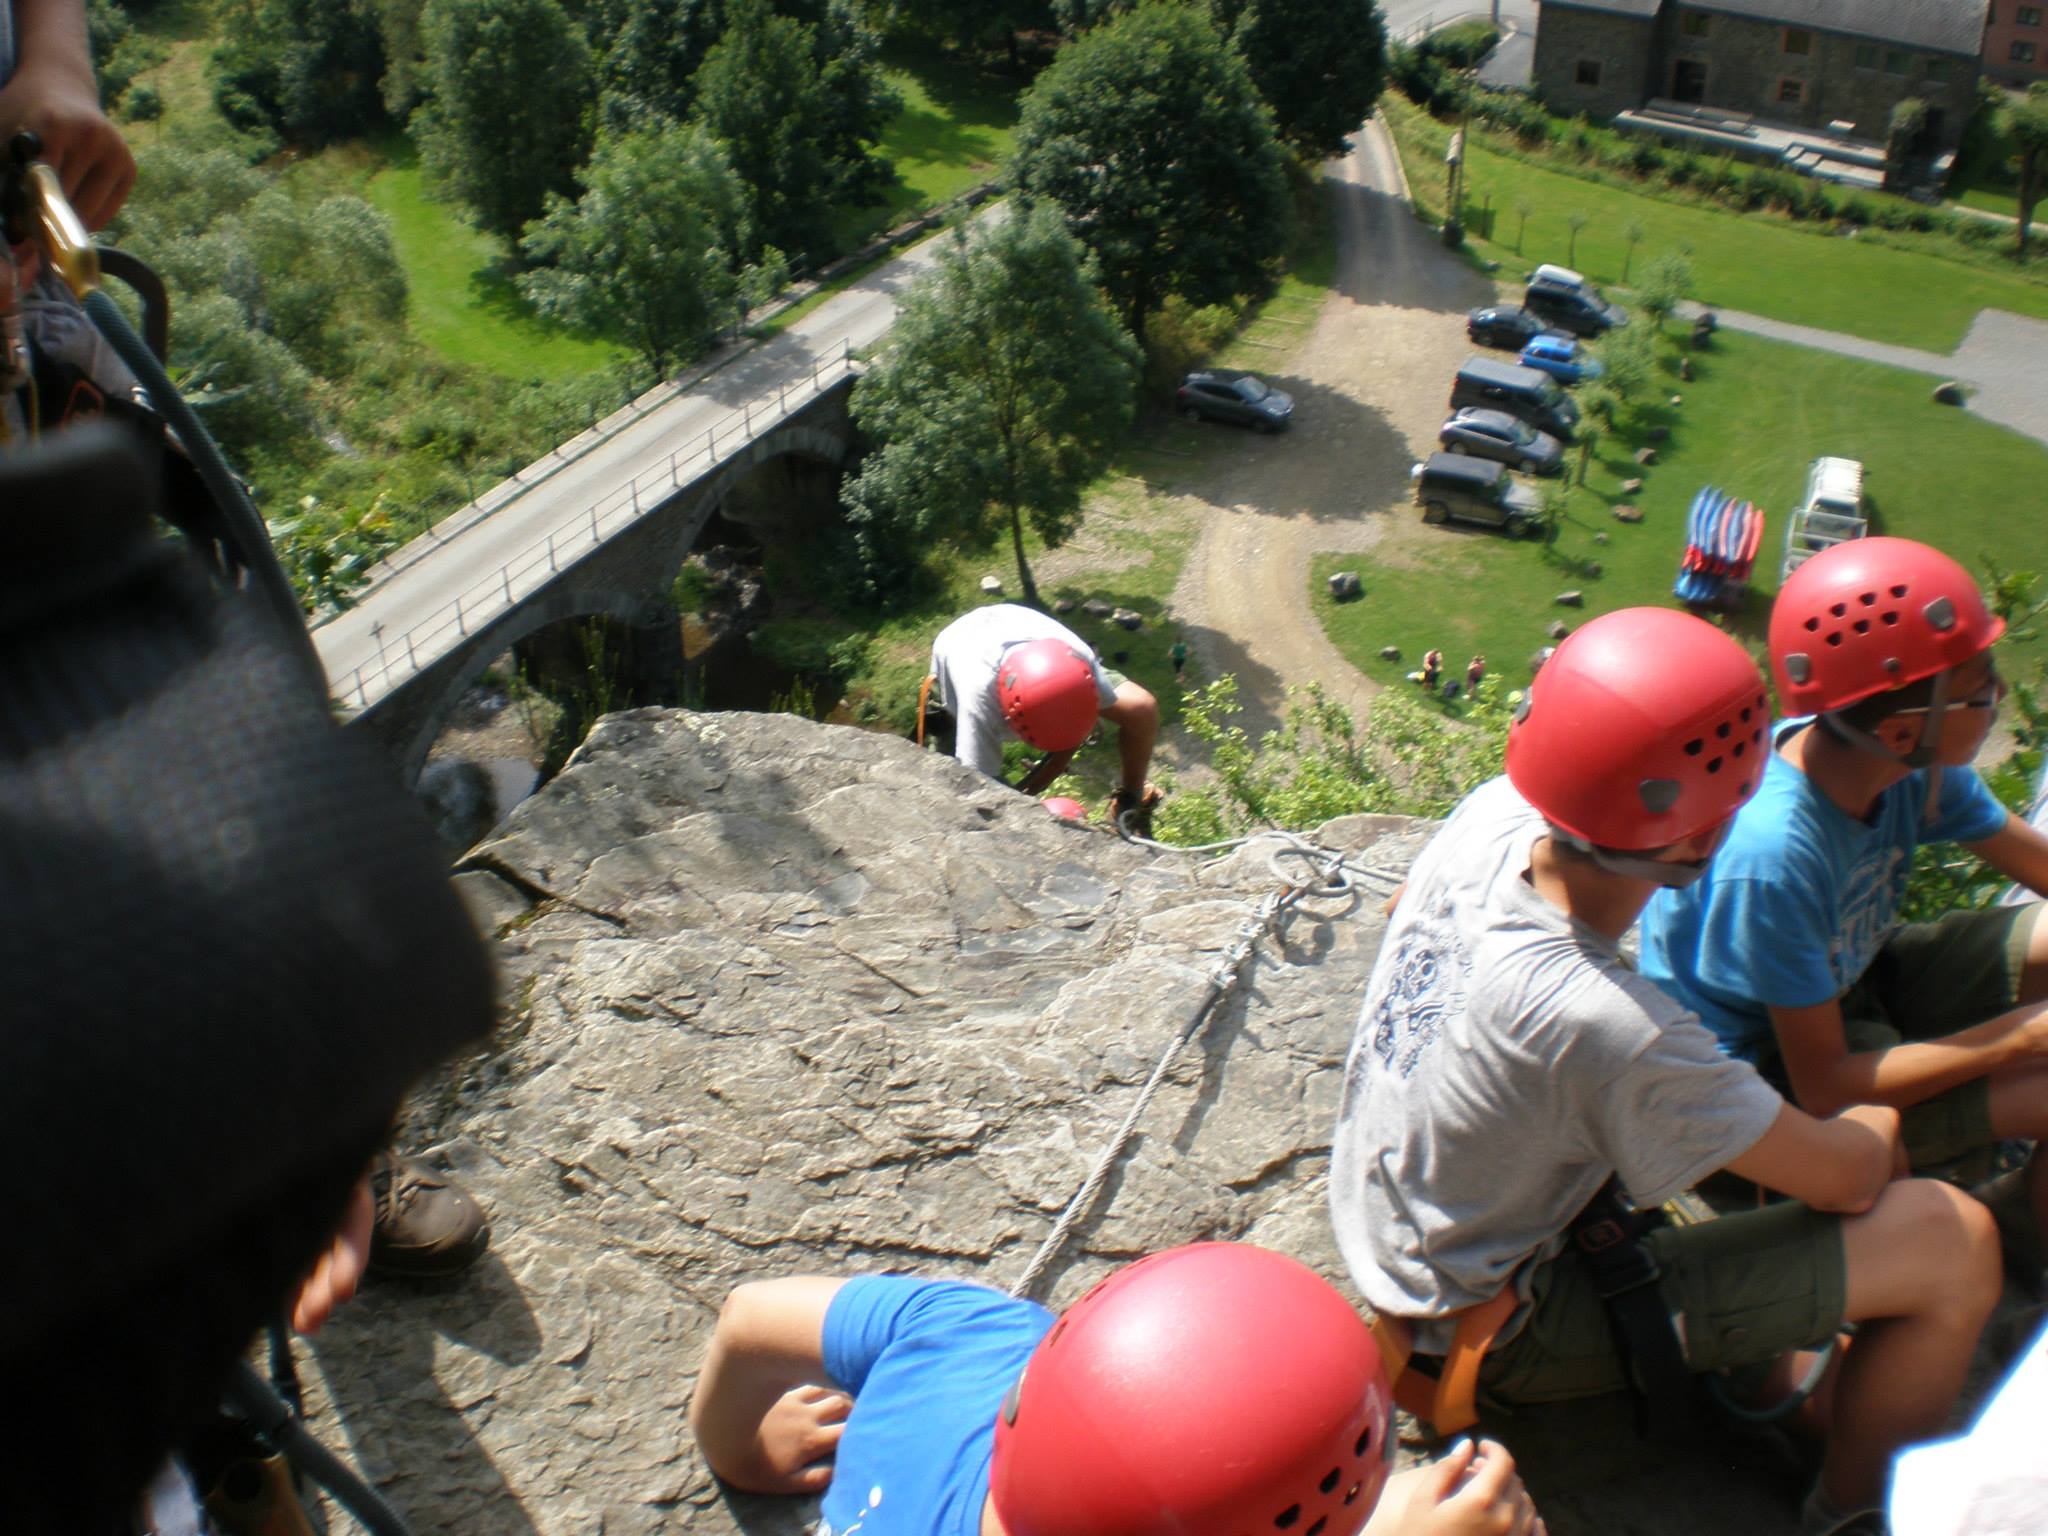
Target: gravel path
{"type": "Point", "coordinates": [2003, 361]}
{"type": "Point", "coordinates": [1369, 385]}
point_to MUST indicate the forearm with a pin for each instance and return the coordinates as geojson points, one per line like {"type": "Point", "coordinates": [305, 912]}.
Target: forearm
{"type": "Point", "coordinates": [50, 41]}
{"type": "Point", "coordinates": [1910, 1073]}
{"type": "Point", "coordinates": [1049, 767]}
{"type": "Point", "coordinates": [768, 1341]}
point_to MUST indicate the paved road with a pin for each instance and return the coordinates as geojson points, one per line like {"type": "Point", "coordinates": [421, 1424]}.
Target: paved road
{"type": "Point", "coordinates": [1411, 18]}
{"type": "Point", "coordinates": [2003, 360]}
{"type": "Point", "coordinates": [555, 495]}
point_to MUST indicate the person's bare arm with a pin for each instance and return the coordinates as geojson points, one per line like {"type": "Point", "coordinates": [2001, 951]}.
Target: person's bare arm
{"type": "Point", "coordinates": [53, 93]}
{"type": "Point", "coordinates": [1048, 768]}
{"type": "Point", "coordinates": [1135, 714]}
{"type": "Point", "coordinates": [1826, 1075]}
{"type": "Point", "coordinates": [769, 1343]}
{"type": "Point", "coordinates": [1842, 1164]}
{"type": "Point", "coordinates": [2019, 851]}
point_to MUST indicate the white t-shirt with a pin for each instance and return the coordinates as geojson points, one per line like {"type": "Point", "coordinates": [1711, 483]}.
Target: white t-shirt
{"type": "Point", "coordinates": [1507, 1063]}
{"type": "Point", "coordinates": [964, 660]}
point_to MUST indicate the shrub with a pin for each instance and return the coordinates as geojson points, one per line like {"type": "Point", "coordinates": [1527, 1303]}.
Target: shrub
{"type": "Point", "coordinates": [142, 103]}
{"type": "Point", "coordinates": [1645, 159]}
{"type": "Point", "coordinates": [1854, 210]}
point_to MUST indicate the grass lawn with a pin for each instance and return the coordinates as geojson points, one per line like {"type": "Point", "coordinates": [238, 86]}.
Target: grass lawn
{"type": "Point", "coordinates": [461, 301]}
{"type": "Point", "coordinates": [956, 128]}
{"type": "Point", "coordinates": [1754, 262]}
{"type": "Point", "coordinates": [1755, 416]}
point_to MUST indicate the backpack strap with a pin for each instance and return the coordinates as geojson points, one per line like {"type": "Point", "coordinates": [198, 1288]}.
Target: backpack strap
{"type": "Point", "coordinates": [1608, 1235]}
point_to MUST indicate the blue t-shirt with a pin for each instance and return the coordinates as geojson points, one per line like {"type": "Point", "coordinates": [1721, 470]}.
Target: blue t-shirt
{"type": "Point", "coordinates": [1797, 901]}
{"type": "Point", "coordinates": [927, 1363]}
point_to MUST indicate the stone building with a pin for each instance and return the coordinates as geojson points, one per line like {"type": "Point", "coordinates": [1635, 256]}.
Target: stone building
{"type": "Point", "coordinates": [2016, 42]}
{"type": "Point", "coordinates": [1829, 65]}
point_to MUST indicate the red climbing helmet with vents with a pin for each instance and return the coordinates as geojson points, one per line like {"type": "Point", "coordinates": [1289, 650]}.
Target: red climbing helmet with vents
{"type": "Point", "coordinates": [1870, 615]}
{"type": "Point", "coordinates": [1645, 728]}
{"type": "Point", "coordinates": [1211, 1390]}
{"type": "Point", "coordinates": [1047, 692]}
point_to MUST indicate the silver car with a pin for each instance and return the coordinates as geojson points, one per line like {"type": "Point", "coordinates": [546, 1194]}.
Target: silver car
{"type": "Point", "coordinates": [1485, 434]}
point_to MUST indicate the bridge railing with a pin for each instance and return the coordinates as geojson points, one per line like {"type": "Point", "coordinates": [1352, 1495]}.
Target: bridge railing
{"type": "Point", "coordinates": [490, 597]}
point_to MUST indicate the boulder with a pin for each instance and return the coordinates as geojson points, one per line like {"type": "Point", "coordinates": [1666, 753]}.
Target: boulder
{"type": "Point", "coordinates": [1392, 653]}
{"type": "Point", "coordinates": [1600, 536]}
{"type": "Point", "coordinates": [1345, 585]}
{"type": "Point", "coordinates": [1127, 618]}
{"type": "Point", "coordinates": [1628, 514]}
{"type": "Point", "coordinates": [1948, 393]}
{"type": "Point", "coordinates": [1632, 487]}
{"type": "Point", "coordinates": [1063, 605]}
{"type": "Point", "coordinates": [1646, 456]}
{"type": "Point", "coordinates": [1677, 400]}
{"type": "Point", "coordinates": [1706, 320]}
{"type": "Point", "coordinates": [992, 586]}
{"type": "Point", "coordinates": [1096, 608]}
{"type": "Point", "coordinates": [1571, 599]}
{"type": "Point", "coordinates": [1558, 629]}
{"type": "Point", "coordinates": [1593, 569]}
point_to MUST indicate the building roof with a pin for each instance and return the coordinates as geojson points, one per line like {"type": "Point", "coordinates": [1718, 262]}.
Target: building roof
{"type": "Point", "coordinates": [1947, 26]}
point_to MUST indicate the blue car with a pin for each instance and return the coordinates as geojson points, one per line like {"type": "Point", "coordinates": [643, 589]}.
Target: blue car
{"type": "Point", "coordinates": [1560, 357]}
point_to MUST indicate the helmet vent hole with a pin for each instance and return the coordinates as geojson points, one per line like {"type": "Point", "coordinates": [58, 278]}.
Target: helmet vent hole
{"type": "Point", "coordinates": [1890, 616]}
{"type": "Point", "coordinates": [1868, 599]}
{"type": "Point", "coordinates": [1834, 637]}
{"type": "Point", "coordinates": [1862, 626]}
{"type": "Point", "coordinates": [1740, 748]}
{"type": "Point", "coordinates": [1329, 1479]}
{"type": "Point", "coordinates": [1287, 1516]}
{"type": "Point", "coordinates": [1838, 609]}
{"type": "Point", "coordinates": [1899, 591]}
{"type": "Point", "coordinates": [1317, 1528]}
{"type": "Point", "coordinates": [1745, 716]}
{"type": "Point", "coordinates": [1351, 1493]}
{"type": "Point", "coordinates": [1812, 624]}
{"type": "Point", "coordinates": [1694, 747]}
{"type": "Point", "coordinates": [1363, 1443]}
{"type": "Point", "coordinates": [1713, 765]}
{"type": "Point", "coordinates": [1721, 731]}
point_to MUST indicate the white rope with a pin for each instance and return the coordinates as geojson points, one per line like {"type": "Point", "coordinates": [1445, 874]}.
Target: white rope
{"type": "Point", "coordinates": [1336, 876]}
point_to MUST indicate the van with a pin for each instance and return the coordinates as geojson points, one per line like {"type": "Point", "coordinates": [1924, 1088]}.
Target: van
{"type": "Point", "coordinates": [1449, 485]}
{"type": "Point", "coordinates": [1830, 512]}
{"type": "Point", "coordinates": [1565, 301]}
{"type": "Point", "coordinates": [1529, 393]}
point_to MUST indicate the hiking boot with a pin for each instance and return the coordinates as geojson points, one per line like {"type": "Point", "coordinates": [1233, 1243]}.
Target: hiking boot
{"type": "Point", "coordinates": [427, 1225]}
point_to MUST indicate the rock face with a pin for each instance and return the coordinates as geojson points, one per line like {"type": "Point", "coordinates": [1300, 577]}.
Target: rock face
{"type": "Point", "coordinates": [791, 998]}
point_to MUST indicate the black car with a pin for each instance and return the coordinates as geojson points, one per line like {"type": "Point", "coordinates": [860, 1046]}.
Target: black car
{"type": "Point", "coordinates": [1473, 491]}
{"type": "Point", "coordinates": [1223, 394]}
{"type": "Point", "coordinates": [1565, 301]}
{"type": "Point", "coordinates": [1497, 435]}
{"type": "Point", "coordinates": [1503, 325]}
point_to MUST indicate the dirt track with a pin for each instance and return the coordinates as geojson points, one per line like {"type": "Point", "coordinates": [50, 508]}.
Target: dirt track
{"type": "Point", "coordinates": [1369, 385]}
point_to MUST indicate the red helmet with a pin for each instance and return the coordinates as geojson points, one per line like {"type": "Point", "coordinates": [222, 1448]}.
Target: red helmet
{"type": "Point", "coordinates": [1869, 615]}
{"type": "Point", "coordinates": [1210, 1390]}
{"type": "Point", "coordinates": [1047, 691]}
{"type": "Point", "coordinates": [1646, 727]}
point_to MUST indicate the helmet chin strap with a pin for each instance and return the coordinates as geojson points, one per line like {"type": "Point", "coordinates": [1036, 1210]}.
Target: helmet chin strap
{"type": "Point", "coordinates": [1919, 755]}
{"type": "Point", "coordinates": [1673, 875]}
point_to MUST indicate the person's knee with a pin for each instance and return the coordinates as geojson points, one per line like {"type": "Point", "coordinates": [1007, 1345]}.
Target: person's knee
{"type": "Point", "coordinates": [1951, 1242]}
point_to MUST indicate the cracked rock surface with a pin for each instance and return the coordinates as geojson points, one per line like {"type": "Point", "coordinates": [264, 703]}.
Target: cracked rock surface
{"type": "Point", "coordinates": [788, 998]}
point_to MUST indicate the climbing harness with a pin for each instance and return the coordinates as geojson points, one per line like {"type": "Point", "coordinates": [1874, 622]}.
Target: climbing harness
{"type": "Point", "coordinates": [1334, 876]}
{"type": "Point", "coordinates": [1608, 1235]}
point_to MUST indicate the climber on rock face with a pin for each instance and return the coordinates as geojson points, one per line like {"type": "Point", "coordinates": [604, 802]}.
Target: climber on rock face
{"type": "Point", "coordinates": [1006, 668]}
{"type": "Point", "coordinates": [1205, 1391]}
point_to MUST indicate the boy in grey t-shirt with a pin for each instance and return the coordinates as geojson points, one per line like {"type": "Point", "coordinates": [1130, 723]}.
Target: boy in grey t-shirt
{"type": "Point", "coordinates": [1508, 1064]}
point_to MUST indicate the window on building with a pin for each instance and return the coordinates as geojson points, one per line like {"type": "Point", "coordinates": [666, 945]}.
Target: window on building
{"type": "Point", "coordinates": [1866, 56]}
{"type": "Point", "coordinates": [1936, 69]}
{"type": "Point", "coordinates": [1693, 23]}
{"type": "Point", "coordinates": [1791, 92]}
{"type": "Point", "coordinates": [2022, 53]}
{"type": "Point", "coordinates": [1589, 71]}
{"type": "Point", "coordinates": [2029, 16]}
{"type": "Point", "coordinates": [1798, 40]}
{"type": "Point", "coordinates": [1897, 63]}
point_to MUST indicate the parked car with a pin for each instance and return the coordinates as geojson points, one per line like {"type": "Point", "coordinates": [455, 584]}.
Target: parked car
{"type": "Point", "coordinates": [1221, 394]}
{"type": "Point", "coordinates": [1507, 326]}
{"type": "Point", "coordinates": [1565, 301]}
{"type": "Point", "coordinates": [1830, 512]}
{"type": "Point", "coordinates": [1525, 392]}
{"type": "Point", "coordinates": [1562, 358]}
{"type": "Point", "coordinates": [1497, 435]}
{"type": "Point", "coordinates": [1449, 485]}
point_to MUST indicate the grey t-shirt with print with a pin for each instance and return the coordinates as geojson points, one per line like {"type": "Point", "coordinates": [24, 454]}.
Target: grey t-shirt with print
{"type": "Point", "coordinates": [1507, 1063]}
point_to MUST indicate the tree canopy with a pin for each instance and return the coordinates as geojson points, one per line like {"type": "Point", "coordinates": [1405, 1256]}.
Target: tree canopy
{"type": "Point", "coordinates": [648, 252]}
{"type": "Point", "coordinates": [1319, 64]}
{"type": "Point", "coordinates": [505, 123]}
{"type": "Point", "coordinates": [2023, 123]}
{"type": "Point", "coordinates": [1007, 383]}
{"type": "Point", "coordinates": [1149, 135]}
{"type": "Point", "coordinates": [797, 104]}
{"type": "Point", "coordinates": [310, 69]}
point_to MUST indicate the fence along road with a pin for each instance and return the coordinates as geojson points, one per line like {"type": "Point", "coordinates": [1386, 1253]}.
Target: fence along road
{"type": "Point", "coordinates": [490, 555]}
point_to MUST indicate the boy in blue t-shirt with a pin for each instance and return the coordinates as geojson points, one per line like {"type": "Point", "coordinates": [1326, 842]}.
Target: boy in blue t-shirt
{"type": "Point", "coordinates": [1790, 947]}
{"type": "Point", "coordinates": [1185, 1393]}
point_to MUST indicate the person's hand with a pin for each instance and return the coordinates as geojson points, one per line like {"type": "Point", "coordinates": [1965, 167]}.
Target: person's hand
{"type": "Point", "coordinates": [797, 1438]}
{"type": "Point", "coordinates": [80, 144]}
{"type": "Point", "coordinates": [339, 1269]}
{"type": "Point", "coordinates": [1473, 1491]}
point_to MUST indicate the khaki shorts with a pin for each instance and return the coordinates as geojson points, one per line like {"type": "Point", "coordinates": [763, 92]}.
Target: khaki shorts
{"type": "Point", "coordinates": [1929, 980]}
{"type": "Point", "coordinates": [1747, 1287]}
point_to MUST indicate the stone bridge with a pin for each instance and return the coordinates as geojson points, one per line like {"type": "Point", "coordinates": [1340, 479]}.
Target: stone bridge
{"type": "Point", "coordinates": [617, 559]}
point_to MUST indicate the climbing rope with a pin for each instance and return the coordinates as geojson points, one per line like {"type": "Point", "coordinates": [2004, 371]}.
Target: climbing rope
{"type": "Point", "coordinates": [1335, 876]}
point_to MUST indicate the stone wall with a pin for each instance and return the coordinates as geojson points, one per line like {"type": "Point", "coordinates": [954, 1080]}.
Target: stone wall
{"type": "Point", "coordinates": [1620, 45]}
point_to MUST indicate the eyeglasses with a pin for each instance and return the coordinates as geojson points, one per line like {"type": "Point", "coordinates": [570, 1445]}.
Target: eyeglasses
{"type": "Point", "coordinates": [1989, 694]}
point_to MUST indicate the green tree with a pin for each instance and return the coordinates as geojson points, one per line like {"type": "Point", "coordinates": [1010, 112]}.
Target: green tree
{"type": "Point", "coordinates": [1667, 281]}
{"type": "Point", "coordinates": [1319, 94]}
{"type": "Point", "coordinates": [1628, 358]}
{"type": "Point", "coordinates": [1524, 206]}
{"type": "Point", "coordinates": [1006, 384]}
{"type": "Point", "coordinates": [1575, 219]}
{"type": "Point", "coordinates": [2023, 123]}
{"type": "Point", "coordinates": [798, 105]}
{"type": "Point", "coordinates": [504, 127]}
{"type": "Point", "coordinates": [648, 251]}
{"type": "Point", "coordinates": [1632, 233]}
{"type": "Point", "coordinates": [1907, 119]}
{"type": "Point", "coordinates": [652, 48]}
{"type": "Point", "coordinates": [1149, 135]}
{"type": "Point", "coordinates": [973, 26]}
